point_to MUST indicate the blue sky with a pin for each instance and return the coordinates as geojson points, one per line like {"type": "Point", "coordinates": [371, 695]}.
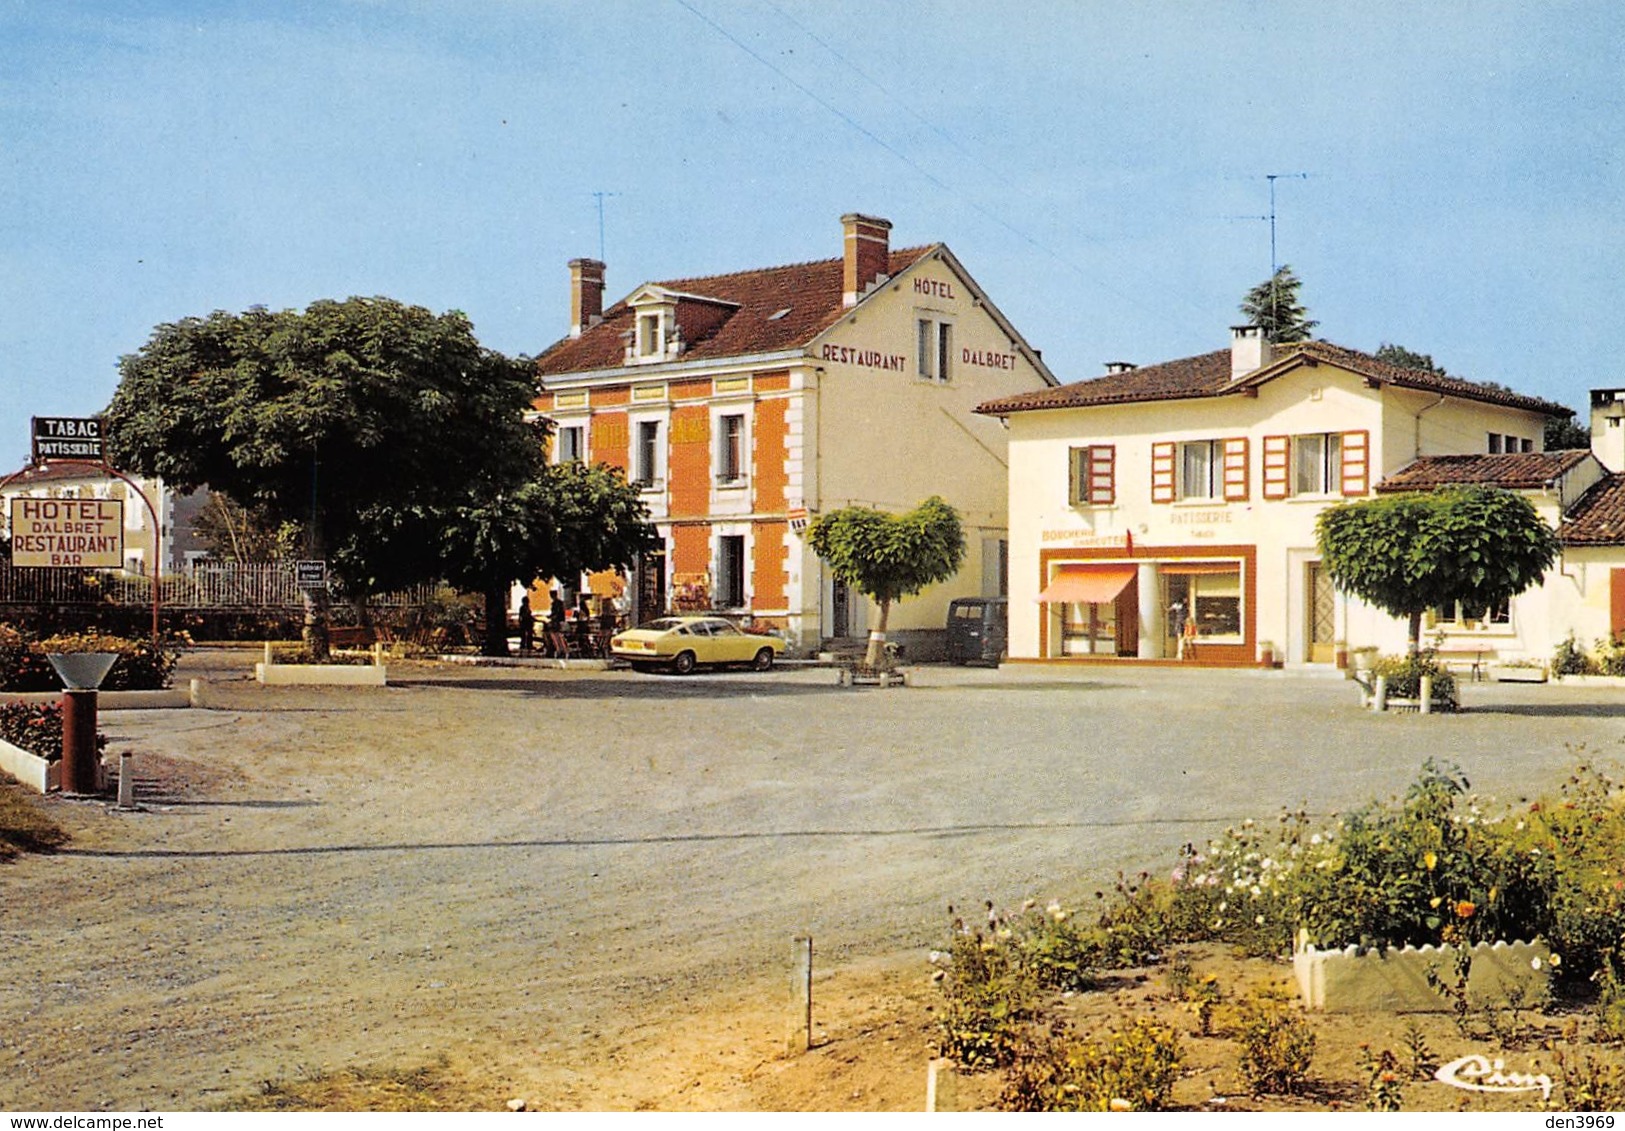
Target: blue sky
{"type": "Point", "coordinates": [1099, 167]}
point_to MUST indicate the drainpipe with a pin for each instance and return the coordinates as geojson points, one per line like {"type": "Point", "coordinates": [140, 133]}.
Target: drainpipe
{"type": "Point", "coordinates": [1417, 454]}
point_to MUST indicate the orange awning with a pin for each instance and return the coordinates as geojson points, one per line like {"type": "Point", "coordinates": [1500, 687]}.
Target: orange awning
{"type": "Point", "coordinates": [1198, 568]}
{"type": "Point", "coordinates": [1087, 584]}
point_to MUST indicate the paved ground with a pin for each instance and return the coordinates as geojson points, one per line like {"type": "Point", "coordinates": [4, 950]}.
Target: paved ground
{"type": "Point", "coordinates": [528, 865]}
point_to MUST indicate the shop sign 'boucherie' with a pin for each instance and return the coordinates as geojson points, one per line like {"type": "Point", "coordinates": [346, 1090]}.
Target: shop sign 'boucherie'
{"type": "Point", "coordinates": [88, 533]}
{"type": "Point", "coordinates": [67, 437]}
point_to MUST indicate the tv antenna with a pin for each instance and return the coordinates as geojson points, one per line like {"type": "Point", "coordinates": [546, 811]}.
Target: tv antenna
{"type": "Point", "coordinates": [599, 197]}
{"type": "Point", "coordinates": [1272, 178]}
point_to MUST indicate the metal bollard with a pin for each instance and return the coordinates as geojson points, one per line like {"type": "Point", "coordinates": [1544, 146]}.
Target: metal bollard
{"type": "Point", "coordinates": [1379, 699]}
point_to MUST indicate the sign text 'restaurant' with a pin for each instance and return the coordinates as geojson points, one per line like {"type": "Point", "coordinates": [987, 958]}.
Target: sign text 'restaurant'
{"type": "Point", "coordinates": [87, 533]}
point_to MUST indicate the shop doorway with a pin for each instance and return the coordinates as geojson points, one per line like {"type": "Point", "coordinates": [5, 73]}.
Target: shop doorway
{"type": "Point", "coordinates": [840, 609]}
{"type": "Point", "coordinates": [651, 587]}
{"type": "Point", "coordinates": [1322, 609]}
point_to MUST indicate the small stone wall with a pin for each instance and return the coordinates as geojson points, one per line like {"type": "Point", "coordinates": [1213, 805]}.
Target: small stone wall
{"type": "Point", "coordinates": [1395, 980]}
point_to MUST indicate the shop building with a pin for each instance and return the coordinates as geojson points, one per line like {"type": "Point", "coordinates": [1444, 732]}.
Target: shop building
{"type": "Point", "coordinates": [1167, 513]}
{"type": "Point", "coordinates": [746, 404]}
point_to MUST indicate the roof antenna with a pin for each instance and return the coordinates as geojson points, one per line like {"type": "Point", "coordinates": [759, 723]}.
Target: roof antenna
{"type": "Point", "coordinates": [1272, 178]}
{"type": "Point", "coordinates": [599, 196]}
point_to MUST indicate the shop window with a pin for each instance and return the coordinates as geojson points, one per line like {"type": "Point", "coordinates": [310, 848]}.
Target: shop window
{"type": "Point", "coordinates": [646, 455]}
{"type": "Point", "coordinates": [1317, 463]}
{"type": "Point", "coordinates": [730, 448]}
{"type": "Point", "coordinates": [1204, 604]}
{"type": "Point", "coordinates": [1088, 629]}
{"type": "Point", "coordinates": [934, 349]}
{"type": "Point", "coordinates": [1198, 469]}
{"type": "Point", "coordinates": [731, 571]}
{"type": "Point", "coordinates": [1093, 475]}
{"type": "Point", "coordinates": [570, 446]}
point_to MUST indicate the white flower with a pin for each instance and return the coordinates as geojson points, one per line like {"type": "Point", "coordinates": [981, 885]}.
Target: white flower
{"type": "Point", "coordinates": [1315, 839]}
{"type": "Point", "coordinates": [1259, 919]}
{"type": "Point", "coordinates": [1534, 963]}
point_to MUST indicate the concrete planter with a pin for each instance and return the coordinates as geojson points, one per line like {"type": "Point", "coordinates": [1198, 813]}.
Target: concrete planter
{"type": "Point", "coordinates": [30, 769]}
{"type": "Point", "coordinates": [1505, 674]}
{"type": "Point", "coordinates": [1344, 981]}
{"type": "Point", "coordinates": [331, 675]}
{"type": "Point", "coordinates": [1590, 680]}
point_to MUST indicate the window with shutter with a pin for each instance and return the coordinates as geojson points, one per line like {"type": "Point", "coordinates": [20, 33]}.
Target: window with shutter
{"type": "Point", "coordinates": [1093, 475]}
{"type": "Point", "coordinates": [1277, 456]}
{"type": "Point", "coordinates": [1356, 463]}
{"type": "Point", "coordinates": [1236, 485]}
{"type": "Point", "coordinates": [1162, 472]}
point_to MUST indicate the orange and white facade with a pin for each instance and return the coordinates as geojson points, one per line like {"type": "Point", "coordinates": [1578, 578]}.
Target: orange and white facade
{"type": "Point", "coordinates": [746, 404]}
{"type": "Point", "coordinates": [1168, 512]}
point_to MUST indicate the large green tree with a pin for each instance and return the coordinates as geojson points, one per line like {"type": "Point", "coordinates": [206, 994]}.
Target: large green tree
{"type": "Point", "coordinates": [1398, 355]}
{"type": "Point", "coordinates": [889, 557]}
{"type": "Point", "coordinates": [1409, 553]}
{"type": "Point", "coordinates": [360, 420]}
{"type": "Point", "coordinates": [1274, 305]}
{"type": "Point", "coordinates": [563, 520]}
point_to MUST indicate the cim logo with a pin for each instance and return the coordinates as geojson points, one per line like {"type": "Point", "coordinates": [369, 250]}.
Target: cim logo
{"type": "Point", "coordinates": [1476, 1073]}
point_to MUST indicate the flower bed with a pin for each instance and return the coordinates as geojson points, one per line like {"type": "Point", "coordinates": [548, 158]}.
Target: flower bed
{"type": "Point", "coordinates": [140, 666]}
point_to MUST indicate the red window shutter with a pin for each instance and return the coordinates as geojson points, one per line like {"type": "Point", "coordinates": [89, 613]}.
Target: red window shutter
{"type": "Point", "coordinates": [1103, 474]}
{"type": "Point", "coordinates": [1236, 485]}
{"type": "Point", "coordinates": [1616, 602]}
{"type": "Point", "coordinates": [1277, 466]}
{"type": "Point", "coordinates": [1356, 463]}
{"type": "Point", "coordinates": [1162, 472]}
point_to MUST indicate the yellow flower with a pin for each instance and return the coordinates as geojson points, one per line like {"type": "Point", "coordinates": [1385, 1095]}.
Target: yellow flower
{"type": "Point", "coordinates": [1430, 859]}
{"type": "Point", "coordinates": [1435, 901]}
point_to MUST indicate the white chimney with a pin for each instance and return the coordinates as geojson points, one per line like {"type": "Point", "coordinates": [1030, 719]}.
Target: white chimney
{"type": "Point", "coordinates": [1608, 427]}
{"type": "Point", "coordinates": [1249, 350]}
{"type": "Point", "coordinates": [1115, 367]}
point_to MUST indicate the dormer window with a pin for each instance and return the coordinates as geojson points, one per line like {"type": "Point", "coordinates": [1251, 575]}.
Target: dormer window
{"type": "Point", "coordinates": [651, 339]}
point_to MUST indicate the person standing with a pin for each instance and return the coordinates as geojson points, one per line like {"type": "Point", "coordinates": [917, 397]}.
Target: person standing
{"type": "Point", "coordinates": [527, 626]}
{"type": "Point", "coordinates": [556, 643]}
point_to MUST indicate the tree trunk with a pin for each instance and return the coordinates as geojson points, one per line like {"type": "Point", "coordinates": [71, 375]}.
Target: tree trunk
{"type": "Point", "coordinates": [496, 621]}
{"type": "Point", "coordinates": [876, 656]}
{"type": "Point", "coordinates": [1416, 631]}
{"type": "Point", "coordinates": [316, 606]}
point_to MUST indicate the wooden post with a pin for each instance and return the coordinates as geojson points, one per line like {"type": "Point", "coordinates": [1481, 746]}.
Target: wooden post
{"type": "Point", "coordinates": [801, 1032]}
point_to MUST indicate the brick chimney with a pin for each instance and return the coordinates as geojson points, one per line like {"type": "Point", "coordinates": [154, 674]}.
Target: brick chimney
{"type": "Point", "coordinates": [1249, 350]}
{"type": "Point", "coordinates": [866, 254]}
{"type": "Point", "coordinates": [586, 295]}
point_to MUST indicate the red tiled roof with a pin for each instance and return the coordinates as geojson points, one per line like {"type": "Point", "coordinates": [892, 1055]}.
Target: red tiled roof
{"type": "Point", "coordinates": [1527, 471]}
{"type": "Point", "coordinates": [1202, 376]}
{"type": "Point", "coordinates": [809, 293]}
{"type": "Point", "coordinates": [1365, 364]}
{"type": "Point", "coordinates": [1208, 375]}
{"type": "Point", "coordinates": [1598, 519]}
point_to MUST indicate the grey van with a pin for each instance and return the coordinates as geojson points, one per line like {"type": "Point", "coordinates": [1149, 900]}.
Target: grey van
{"type": "Point", "coordinates": [978, 629]}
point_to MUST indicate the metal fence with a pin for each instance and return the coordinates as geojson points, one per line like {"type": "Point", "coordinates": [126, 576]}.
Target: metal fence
{"type": "Point", "coordinates": [201, 586]}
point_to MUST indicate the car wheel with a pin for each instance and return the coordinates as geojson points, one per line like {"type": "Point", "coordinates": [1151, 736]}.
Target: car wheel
{"type": "Point", "coordinates": [683, 663]}
{"type": "Point", "coordinates": [764, 660]}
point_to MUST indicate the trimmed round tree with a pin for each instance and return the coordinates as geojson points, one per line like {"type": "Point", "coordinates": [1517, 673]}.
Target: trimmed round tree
{"type": "Point", "coordinates": [888, 557]}
{"type": "Point", "coordinates": [1409, 553]}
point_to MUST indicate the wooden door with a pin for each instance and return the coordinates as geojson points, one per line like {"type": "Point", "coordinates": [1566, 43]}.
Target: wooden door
{"type": "Point", "coordinates": [1321, 602]}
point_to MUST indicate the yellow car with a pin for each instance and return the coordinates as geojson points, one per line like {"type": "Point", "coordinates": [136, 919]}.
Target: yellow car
{"type": "Point", "coordinates": [682, 643]}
